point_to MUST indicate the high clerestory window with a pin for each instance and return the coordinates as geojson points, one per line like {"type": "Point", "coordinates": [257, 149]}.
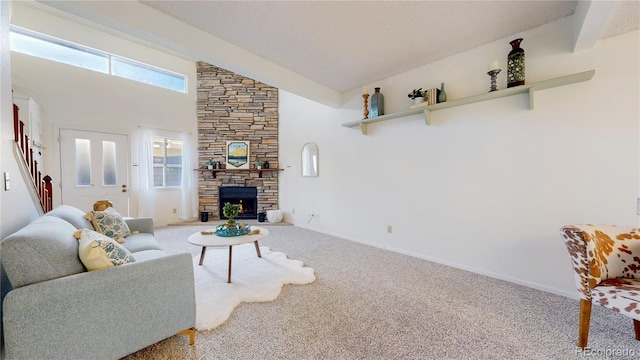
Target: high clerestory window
{"type": "Point", "coordinates": [46, 47]}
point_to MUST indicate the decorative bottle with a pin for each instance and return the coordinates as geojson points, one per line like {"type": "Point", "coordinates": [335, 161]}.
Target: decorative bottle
{"type": "Point", "coordinates": [515, 64]}
{"type": "Point", "coordinates": [442, 96]}
{"type": "Point", "coordinates": [377, 103]}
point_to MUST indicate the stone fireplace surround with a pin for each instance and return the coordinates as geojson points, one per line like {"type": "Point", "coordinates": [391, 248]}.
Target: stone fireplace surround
{"type": "Point", "coordinates": [234, 107]}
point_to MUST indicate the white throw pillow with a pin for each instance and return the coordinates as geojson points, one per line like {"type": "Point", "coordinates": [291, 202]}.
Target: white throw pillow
{"type": "Point", "coordinates": [98, 251]}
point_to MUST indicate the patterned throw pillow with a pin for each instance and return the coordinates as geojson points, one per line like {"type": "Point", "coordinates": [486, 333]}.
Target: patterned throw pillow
{"type": "Point", "coordinates": [97, 251]}
{"type": "Point", "coordinates": [110, 223]}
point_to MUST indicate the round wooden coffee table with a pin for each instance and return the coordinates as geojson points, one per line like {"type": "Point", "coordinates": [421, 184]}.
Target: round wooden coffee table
{"type": "Point", "coordinates": [207, 240]}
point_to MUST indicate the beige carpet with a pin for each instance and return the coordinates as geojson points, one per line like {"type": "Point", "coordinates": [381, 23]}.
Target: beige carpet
{"type": "Point", "coordinates": [368, 303]}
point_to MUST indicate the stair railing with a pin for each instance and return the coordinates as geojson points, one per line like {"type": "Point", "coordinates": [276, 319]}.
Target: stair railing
{"type": "Point", "coordinates": [41, 184]}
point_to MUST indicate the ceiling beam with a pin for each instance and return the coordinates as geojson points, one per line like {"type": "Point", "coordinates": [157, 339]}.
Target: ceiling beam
{"type": "Point", "coordinates": [591, 17]}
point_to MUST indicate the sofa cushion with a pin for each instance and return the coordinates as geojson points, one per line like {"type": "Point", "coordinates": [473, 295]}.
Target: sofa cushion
{"type": "Point", "coordinates": [43, 250]}
{"type": "Point", "coordinates": [140, 242]}
{"type": "Point", "coordinates": [110, 223]}
{"type": "Point", "coordinates": [98, 251]}
{"type": "Point", "coordinates": [72, 215]}
{"type": "Point", "coordinates": [145, 255]}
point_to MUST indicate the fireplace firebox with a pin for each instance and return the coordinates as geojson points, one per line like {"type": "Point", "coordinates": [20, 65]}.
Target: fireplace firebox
{"type": "Point", "coordinates": [246, 197]}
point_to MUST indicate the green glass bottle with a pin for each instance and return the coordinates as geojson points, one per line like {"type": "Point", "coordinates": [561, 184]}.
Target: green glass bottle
{"type": "Point", "coordinates": [442, 97]}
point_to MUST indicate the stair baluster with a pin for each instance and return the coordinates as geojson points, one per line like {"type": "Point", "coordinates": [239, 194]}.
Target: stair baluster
{"type": "Point", "coordinates": [42, 185]}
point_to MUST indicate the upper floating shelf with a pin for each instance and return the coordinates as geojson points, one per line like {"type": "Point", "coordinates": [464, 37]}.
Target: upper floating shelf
{"type": "Point", "coordinates": [427, 109]}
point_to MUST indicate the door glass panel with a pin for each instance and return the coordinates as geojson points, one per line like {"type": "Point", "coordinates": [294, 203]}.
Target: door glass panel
{"type": "Point", "coordinates": [83, 162]}
{"type": "Point", "coordinates": [109, 173]}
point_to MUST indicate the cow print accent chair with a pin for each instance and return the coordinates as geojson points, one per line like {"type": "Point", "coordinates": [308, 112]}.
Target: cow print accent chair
{"type": "Point", "coordinates": [606, 260]}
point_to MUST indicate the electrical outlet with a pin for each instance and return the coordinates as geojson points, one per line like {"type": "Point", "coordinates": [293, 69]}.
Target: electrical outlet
{"type": "Point", "coordinates": [638, 207]}
{"type": "Point", "coordinates": [293, 211]}
{"type": "Point", "coordinates": [389, 229]}
{"type": "Point", "coordinates": [7, 181]}
{"type": "Point", "coordinates": [175, 211]}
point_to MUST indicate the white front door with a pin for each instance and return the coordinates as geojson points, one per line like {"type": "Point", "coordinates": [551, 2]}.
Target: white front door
{"type": "Point", "coordinates": [94, 166]}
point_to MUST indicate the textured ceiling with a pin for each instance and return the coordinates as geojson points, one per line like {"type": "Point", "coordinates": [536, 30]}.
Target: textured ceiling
{"type": "Point", "coordinates": [321, 49]}
{"type": "Point", "coordinates": [344, 44]}
{"type": "Point", "coordinates": [625, 18]}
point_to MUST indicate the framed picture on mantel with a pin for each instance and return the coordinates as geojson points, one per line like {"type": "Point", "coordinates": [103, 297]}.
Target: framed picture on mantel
{"type": "Point", "coordinates": [237, 154]}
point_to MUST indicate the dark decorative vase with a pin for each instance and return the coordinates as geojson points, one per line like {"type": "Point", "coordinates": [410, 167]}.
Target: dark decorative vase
{"type": "Point", "coordinates": [377, 104]}
{"type": "Point", "coordinates": [515, 64]}
{"type": "Point", "coordinates": [442, 96]}
{"type": "Point", "coordinates": [265, 165]}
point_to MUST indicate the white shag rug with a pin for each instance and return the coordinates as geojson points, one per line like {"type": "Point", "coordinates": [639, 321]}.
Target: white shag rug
{"type": "Point", "coordinates": [253, 279]}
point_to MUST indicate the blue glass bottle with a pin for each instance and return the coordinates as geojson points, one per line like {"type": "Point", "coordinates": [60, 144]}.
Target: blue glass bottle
{"type": "Point", "coordinates": [377, 104]}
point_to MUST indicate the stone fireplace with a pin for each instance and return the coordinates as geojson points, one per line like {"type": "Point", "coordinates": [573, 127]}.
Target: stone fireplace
{"type": "Point", "coordinates": [232, 107]}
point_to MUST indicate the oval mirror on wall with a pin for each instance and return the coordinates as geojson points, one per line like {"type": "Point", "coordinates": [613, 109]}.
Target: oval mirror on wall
{"type": "Point", "coordinates": [310, 159]}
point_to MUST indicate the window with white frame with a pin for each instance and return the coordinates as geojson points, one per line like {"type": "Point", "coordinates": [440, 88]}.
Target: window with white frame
{"type": "Point", "coordinates": [43, 46]}
{"type": "Point", "coordinates": [167, 162]}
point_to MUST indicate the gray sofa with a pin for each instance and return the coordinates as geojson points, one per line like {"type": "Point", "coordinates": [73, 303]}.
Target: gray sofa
{"type": "Point", "coordinates": [59, 310]}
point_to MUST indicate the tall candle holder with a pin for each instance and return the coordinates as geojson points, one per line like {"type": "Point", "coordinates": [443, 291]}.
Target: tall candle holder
{"type": "Point", "coordinates": [366, 105]}
{"type": "Point", "coordinates": [494, 75]}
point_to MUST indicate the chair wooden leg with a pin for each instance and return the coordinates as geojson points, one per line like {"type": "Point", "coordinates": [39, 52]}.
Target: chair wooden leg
{"type": "Point", "coordinates": [585, 317]}
{"type": "Point", "coordinates": [192, 335]}
{"type": "Point", "coordinates": [636, 327]}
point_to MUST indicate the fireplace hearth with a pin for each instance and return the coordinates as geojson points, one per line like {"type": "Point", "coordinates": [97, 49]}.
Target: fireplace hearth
{"type": "Point", "coordinates": [246, 197]}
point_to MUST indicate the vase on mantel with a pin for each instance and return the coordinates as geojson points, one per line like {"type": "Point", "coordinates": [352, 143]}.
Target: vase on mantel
{"type": "Point", "coordinates": [377, 104]}
{"type": "Point", "coordinates": [515, 64]}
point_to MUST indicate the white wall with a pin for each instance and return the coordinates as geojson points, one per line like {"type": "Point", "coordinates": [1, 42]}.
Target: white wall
{"type": "Point", "coordinates": [13, 212]}
{"type": "Point", "coordinates": [71, 97]}
{"type": "Point", "coordinates": [488, 185]}
{"type": "Point", "coordinates": [16, 209]}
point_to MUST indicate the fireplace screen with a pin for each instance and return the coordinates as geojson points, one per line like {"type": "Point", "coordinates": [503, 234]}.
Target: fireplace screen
{"type": "Point", "coordinates": [246, 197]}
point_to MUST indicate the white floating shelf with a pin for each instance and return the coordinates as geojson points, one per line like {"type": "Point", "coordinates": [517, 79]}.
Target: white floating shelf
{"type": "Point", "coordinates": [522, 89]}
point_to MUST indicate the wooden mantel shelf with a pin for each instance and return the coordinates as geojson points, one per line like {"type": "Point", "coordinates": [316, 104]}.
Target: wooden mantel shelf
{"type": "Point", "coordinates": [523, 89]}
{"type": "Point", "coordinates": [259, 171]}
